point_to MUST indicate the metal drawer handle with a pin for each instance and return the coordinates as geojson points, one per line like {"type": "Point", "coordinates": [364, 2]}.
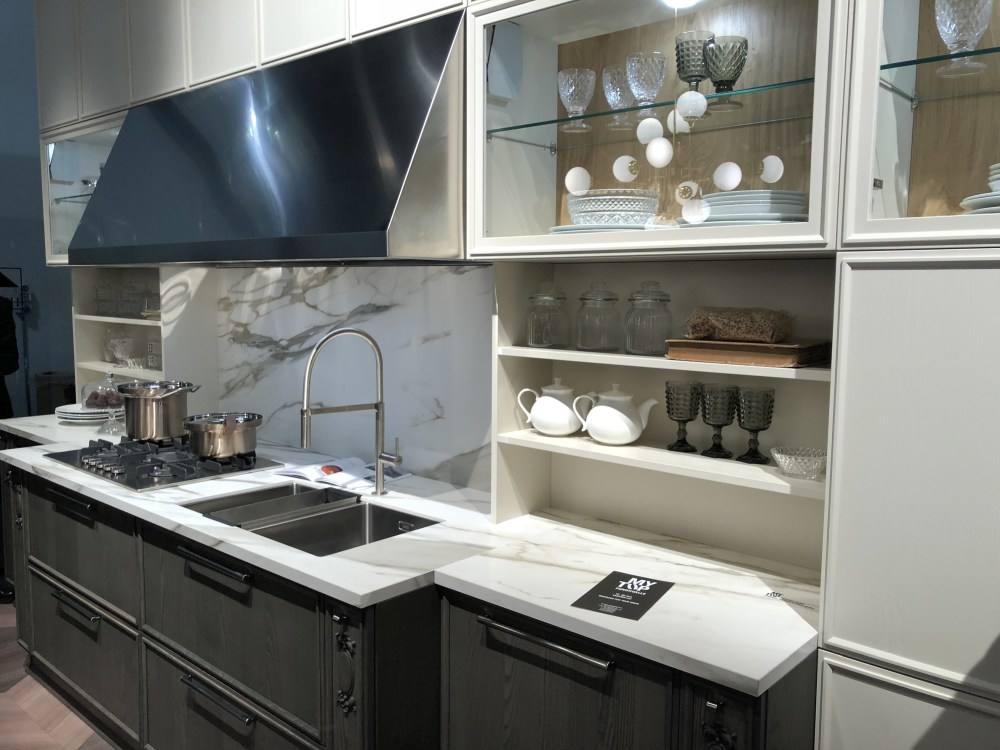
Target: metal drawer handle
{"type": "Point", "coordinates": [74, 605]}
{"type": "Point", "coordinates": [230, 708]}
{"type": "Point", "coordinates": [79, 508]}
{"type": "Point", "coordinates": [599, 663]}
{"type": "Point", "coordinates": [194, 557]}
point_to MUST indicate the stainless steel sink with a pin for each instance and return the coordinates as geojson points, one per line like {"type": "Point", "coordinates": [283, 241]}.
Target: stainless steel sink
{"type": "Point", "coordinates": [319, 521]}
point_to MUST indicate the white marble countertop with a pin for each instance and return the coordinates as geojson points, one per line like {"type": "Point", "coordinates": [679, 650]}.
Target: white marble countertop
{"type": "Point", "coordinates": [740, 621]}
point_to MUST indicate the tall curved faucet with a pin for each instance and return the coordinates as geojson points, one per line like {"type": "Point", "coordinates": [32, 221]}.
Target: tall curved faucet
{"type": "Point", "coordinates": [381, 457]}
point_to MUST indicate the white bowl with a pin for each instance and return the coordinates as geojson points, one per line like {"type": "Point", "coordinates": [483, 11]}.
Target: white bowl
{"type": "Point", "coordinates": [801, 463]}
{"type": "Point", "coordinates": [994, 185]}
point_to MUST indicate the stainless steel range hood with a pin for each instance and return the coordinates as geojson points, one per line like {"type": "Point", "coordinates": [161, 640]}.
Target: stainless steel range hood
{"type": "Point", "coordinates": [353, 155]}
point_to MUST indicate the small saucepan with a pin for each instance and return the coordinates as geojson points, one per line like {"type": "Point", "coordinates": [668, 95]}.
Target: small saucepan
{"type": "Point", "coordinates": [222, 434]}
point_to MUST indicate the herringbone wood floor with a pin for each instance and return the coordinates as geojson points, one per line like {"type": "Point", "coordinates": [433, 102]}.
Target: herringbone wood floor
{"type": "Point", "coordinates": [32, 718]}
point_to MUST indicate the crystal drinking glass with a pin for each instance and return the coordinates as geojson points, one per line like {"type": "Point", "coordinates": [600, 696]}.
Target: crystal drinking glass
{"type": "Point", "coordinates": [725, 57]}
{"type": "Point", "coordinates": [755, 406]}
{"type": "Point", "coordinates": [683, 402]}
{"type": "Point", "coordinates": [576, 89]}
{"type": "Point", "coordinates": [618, 95]}
{"type": "Point", "coordinates": [718, 409]}
{"type": "Point", "coordinates": [646, 72]}
{"type": "Point", "coordinates": [961, 24]}
{"type": "Point", "coordinates": [690, 50]}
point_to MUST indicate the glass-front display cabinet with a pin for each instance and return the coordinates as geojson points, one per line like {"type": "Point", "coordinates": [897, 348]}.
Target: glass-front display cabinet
{"type": "Point", "coordinates": [71, 167]}
{"type": "Point", "coordinates": [610, 128]}
{"type": "Point", "coordinates": [923, 157]}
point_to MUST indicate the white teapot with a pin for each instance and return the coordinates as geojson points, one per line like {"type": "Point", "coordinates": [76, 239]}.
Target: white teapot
{"type": "Point", "coordinates": [614, 419]}
{"type": "Point", "coordinates": [552, 413]}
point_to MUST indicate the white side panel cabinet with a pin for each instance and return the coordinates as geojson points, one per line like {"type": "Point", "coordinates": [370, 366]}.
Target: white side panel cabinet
{"type": "Point", "coordinates": [913, 519]}
{"type": "Point", "coordinates": [104, 63]}
{"type": "Point", "coordinates": [864, 708]}
{"type": "Point", "coordinates": [222, 38]}
{"type": "Point", "coordinates": [58, 69]}
{"type": "Point", "coordinates": [156, 47]}
{"type": "Point", "coordinates": [368, 15]}
{"type": "Point", "coordinates": [288, 27]}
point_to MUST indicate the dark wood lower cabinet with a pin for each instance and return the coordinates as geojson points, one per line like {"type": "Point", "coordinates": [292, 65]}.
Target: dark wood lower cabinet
{"type": "Point", "coordinates": [188, 708]}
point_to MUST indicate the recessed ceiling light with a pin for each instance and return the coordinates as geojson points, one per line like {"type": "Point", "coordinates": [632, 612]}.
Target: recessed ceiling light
{"type": "Point", "coordinates": [678, 4]}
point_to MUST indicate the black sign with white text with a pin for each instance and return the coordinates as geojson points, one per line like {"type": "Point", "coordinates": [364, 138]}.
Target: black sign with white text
{"type": "Point", "coordinates": [623, 595]}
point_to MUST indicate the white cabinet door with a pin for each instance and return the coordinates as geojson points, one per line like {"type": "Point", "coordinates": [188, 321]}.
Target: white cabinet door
{"type": "Point", "coordinates": [222, 38]}
{"type": "Point", "coordinates": [288, 27]}
{"type": "Point", "coordinates": [864, 708]}
{"type": "Point", "coordinates": [156, 47]}
{"type": "Point", "coordinates": [104, 71]}
{"type": "Point", "coordinates": [913, 526]}
{"type": "Point", "coordinates": [55, 30]}
{"type": "Point", "coordinates": [368, 15]}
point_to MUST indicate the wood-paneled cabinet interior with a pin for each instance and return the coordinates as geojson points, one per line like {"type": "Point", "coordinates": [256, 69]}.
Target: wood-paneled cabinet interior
{"type": "Point", "coordinates": [725, 503]}
{"type": "Point", "coordinates": [524, 143]}
{"type": "Point", "coordinates": [370, 15]}
{"type": "Point", "coordinates": [224, 614]}
{"type": "Point", "coordinates": [909, 175]}
{"type": "Point", "coordinates": [156, 48]}
{"type": "Point", "coordinates": [511, 680]}
{"type": "Point", "coordinates": [166, 317]}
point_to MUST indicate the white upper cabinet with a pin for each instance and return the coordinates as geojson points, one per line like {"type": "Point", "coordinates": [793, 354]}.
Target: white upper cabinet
{"type": "Point", "coordinates": [222, 38]}
{"type": "Point", "coordinates": [764, 118]}
{"type": "Point", "coordinates": [55, 29]}
{"type": "Point", "coordinates": [921, 134]}
{"type": "Point", "coordinates": [104, 68]}
{"type": "Point", "coordinates": [288, 27]}
{"type": "Point", "coordinates": [156, 47]}
{"type": "Point", "coordinates": [368, 15]}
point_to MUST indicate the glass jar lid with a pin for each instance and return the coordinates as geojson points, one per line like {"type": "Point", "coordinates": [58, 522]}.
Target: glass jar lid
{"type": "Point", "coordinates": [547, 294]}
{"type": "Point", "coordinates": [649, 291]}
{"type": "Point", "coordinates": [599, 292]}
{"type": "Point", "coordinates": [102, 394]}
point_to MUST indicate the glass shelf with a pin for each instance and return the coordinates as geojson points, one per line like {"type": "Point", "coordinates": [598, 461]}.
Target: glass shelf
{"type": "Point", "coordinates": [917, 80]}
{"type": "Point", "coordinates": [760, 105]}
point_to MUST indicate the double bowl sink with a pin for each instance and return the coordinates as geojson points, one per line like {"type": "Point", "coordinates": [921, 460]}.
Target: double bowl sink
{"type": "Point", "coordinates": [320, 521]}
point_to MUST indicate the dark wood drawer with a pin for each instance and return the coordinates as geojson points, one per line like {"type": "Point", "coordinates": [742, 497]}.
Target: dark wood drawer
{"type": "Point", "coordinates": [262, 633]}
{"type": "Point", "coordinates": [92, 653]}
{"type": "Point", "coordinates": [87, 542]}
{"type": "Point", "coordinates": [186, 708]}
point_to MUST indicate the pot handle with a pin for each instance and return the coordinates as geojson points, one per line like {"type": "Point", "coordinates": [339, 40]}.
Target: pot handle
{"type": "Point", "coordinates": [578, 399]}
{"type": "Point", "coordinates": [521, 403]}
{"type": "Point", "coordinates": [189, 388]}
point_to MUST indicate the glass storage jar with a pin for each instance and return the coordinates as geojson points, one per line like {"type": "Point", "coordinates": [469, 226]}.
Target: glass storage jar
{"type": "Point", "coordinates": [548, 321]}
{"type": "Point", "coordinates": [597, 321]}
{"type": "Point", "coordinates": [647, 324]}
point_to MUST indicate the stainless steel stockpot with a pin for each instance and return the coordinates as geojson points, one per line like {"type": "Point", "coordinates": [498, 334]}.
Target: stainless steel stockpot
{"type": "Point", "coordinates": [155, 409]}
{"type": "Point", "coordinates": [222, 434]}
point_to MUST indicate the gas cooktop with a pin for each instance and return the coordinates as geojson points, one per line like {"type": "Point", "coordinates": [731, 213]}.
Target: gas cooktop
{"type": "Point", "coordinates": [142, 466]}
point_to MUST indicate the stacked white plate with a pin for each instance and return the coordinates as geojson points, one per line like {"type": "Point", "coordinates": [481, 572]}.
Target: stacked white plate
{"type": "Point", "coordinates": [81, 413]}
{"type": "Point", "coordinates": [751, 207]}
{"type": "Point", "coordinates": [986, 203]}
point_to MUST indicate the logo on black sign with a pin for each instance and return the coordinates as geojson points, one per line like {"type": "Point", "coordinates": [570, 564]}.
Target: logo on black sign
{"type": "Point", "coordinates": [640, 585]}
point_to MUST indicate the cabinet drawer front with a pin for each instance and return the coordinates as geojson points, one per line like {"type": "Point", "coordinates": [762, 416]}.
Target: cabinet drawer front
{"type": "Point", "coordinates": [87, 542]}
{"type": "Point", "coordinates": [93, 651]}
{"type": "Point", "coordinates": [263, 633]}
{"type": "Point", "coordinates": [186, 708]}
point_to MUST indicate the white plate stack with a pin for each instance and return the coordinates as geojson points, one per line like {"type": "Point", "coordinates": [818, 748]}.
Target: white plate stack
{"type": "Point", "coordinates": [986, 203]}
{"type": "Point", "coordinates": [751, 207]}
{"type": "Point", "coordinates": [80, 413]}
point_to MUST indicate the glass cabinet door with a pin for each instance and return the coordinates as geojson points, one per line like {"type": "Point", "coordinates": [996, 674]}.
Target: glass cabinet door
{"type": "Point", "coordinates": [923, 157]}
{"type": "Point", "coordinates": [71, 167]}
{"type": "Point", "coordinates": [600, 125]}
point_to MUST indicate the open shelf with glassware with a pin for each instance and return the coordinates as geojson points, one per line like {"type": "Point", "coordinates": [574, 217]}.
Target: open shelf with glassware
{"type": "Point", "coordinates": [681, 104]}
{"type": "Point", "coordinates": [642, 483]}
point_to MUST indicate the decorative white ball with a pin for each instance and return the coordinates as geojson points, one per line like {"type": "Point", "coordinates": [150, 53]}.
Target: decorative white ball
{"type": "Point", "coordinates": [659, 152]}
{"type": "Point", "coordinates": [676, 124]}
{"type": "Point", "coordinates": [691, 105]}
{"type": "Point", "coordinates": [625, 168]}
{"type": "Point", "coordinates": [771, 168]}
{"type": "Point", "coordinates": [727, 175]}
{"type": "Point", "coordinates": [577, 181]}
{"type": "Point", "coordinates": [648, 129]}
{"type": "Point", "coordinates": [695, 211]}
{"type": "Point", "coordinates": [686, 191]}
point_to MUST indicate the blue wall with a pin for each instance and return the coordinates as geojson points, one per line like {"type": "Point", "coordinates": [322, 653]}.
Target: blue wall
{"type": "Point", "coordinates": [48, 326]}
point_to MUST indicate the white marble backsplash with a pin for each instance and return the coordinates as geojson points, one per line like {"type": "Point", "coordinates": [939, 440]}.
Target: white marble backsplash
{"type": "Point", "coordinates": [432, 324]}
